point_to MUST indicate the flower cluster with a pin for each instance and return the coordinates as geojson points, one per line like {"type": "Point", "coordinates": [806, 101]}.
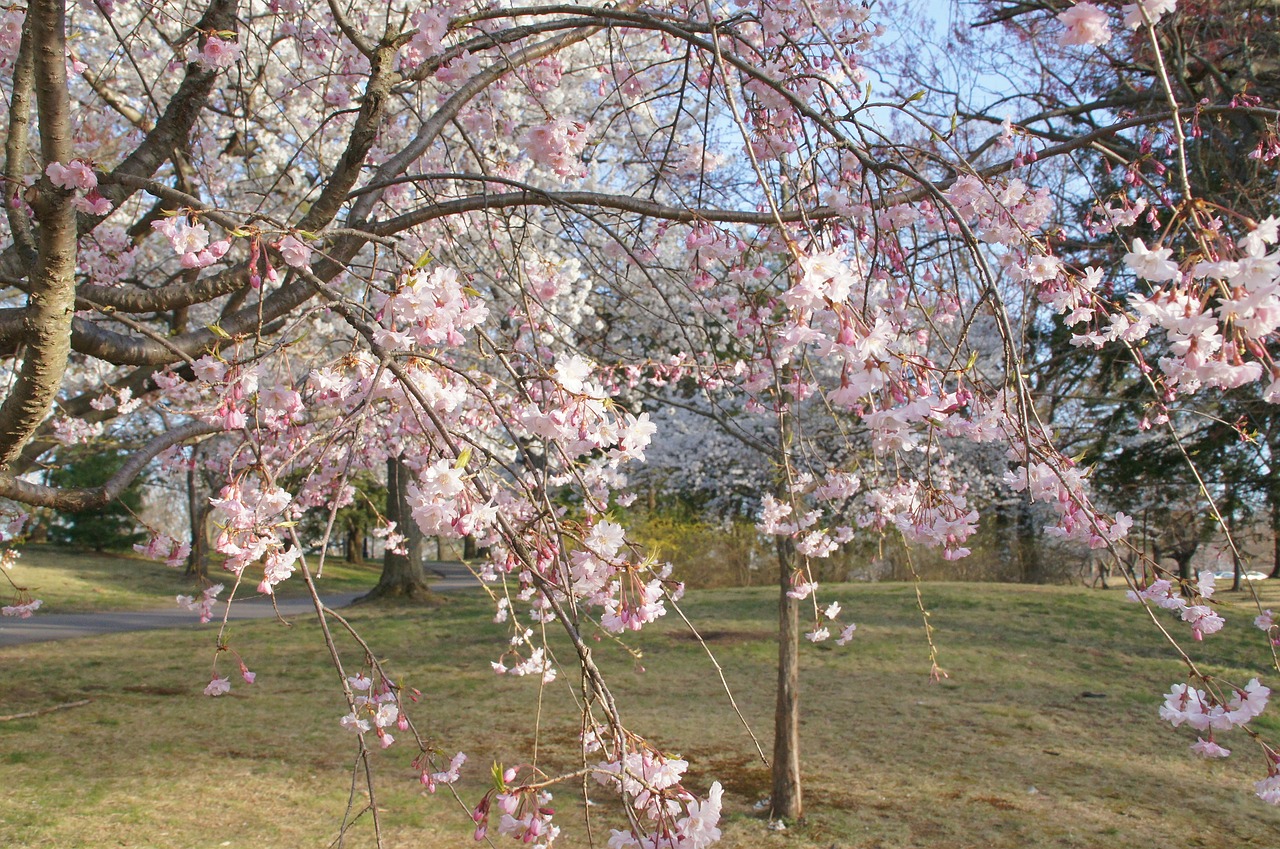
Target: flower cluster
{"type": "Point", "coordinates": [558, 144]}
{"type": "Point", "coordinates": [1086, 24]}
{"type": "Point", "coordinates": [23, 610]}
{"type": "Point", "coordinates": [525, 811]}
{"type": "Point", "coordinates": [1202, 618]}
{"type": "Point", "coordinates": [431, 780]}
{"type": "Point", "coordinates": [215, 54]}
{"type": "Point", "coordinates": [1203, 711]}
{"type": "Point", "coordinates": [650, 782]}
{"type": "Point", "coordinates": [221, 685]}
{"type": "Point", "coordinates": [191, 241]}
{"type": "Point", "coordinates": [204, 604]}
{"type": "Point", "coordinates": [375, 708]}
{"type": "Point", "coordinates": [1147, 11]}
{"type": "Point", "coordinates": [77, 176]}
{"type": "Point", "coordinates": [253, 515]}
{"type": "Point", "coordinates": [429, 308]}
{"type": "Point", "coordinates": [164, 547]}
{"type": "Point", "coordinates": [537, 663]}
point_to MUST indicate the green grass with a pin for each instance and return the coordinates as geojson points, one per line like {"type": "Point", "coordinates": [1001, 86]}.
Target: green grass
{"type": "Point", "coordinates": [1005, 752]}
{"type": "Point", "coordinates": [70, 581]}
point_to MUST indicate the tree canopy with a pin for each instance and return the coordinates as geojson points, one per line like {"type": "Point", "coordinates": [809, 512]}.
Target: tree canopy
{"type": "Point", "coordinates": [498, 244]}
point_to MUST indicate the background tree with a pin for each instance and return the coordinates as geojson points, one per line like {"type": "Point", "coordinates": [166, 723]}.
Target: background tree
{"type": "Point", "coordinates": [403, 572]}
{"type": "Point", "coordinates": [112, 527]}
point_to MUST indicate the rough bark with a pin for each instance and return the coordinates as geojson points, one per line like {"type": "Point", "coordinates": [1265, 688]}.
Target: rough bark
{"type": "Point", "coordinates": [51, 300]}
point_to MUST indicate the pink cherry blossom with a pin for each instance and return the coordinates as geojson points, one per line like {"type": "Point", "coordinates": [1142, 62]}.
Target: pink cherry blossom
{"type": "Point", "coordinates": [1154, 9]}
{"type": "Point", "coordinates": [22, 611]}
{"type": "Point", "coordinates": [1086, 24]}
{"type": "Point", "coordinates": [297, 254]}
{"type": "Point", "coordinates": [218, 686]}
{"type": "Point", "coordinates": [1153, 265]}
{"type": "Point", "coordinates": [76, 174]}
{"type": "Point", "coordinates": [1209, 749]}
{"type": "Point", "coordinates": [557, 144]}
{"type": "Point", "coordinates": [216, 54]}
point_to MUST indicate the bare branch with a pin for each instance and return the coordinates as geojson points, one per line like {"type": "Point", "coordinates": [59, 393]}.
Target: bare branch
{"type": "Point", "coordinates": [90, 498]}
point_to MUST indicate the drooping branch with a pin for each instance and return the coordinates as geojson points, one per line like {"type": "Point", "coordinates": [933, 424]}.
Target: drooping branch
{"type": "Point", "coordinates": [137, 382]}
{"type": "Point", "coordinates": [622, 203]}
{"type": "Point", "coordinates": [90, 498]}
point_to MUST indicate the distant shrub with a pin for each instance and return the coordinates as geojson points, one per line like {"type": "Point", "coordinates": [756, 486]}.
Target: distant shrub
{"type": "Point", "coordinates": [733, 554]}
{"type": "Point", "coordinates": [707, 555]}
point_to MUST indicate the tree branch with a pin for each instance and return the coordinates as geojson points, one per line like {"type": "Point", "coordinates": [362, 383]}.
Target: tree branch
{"type": "Point", "coordinates": [90, 498]}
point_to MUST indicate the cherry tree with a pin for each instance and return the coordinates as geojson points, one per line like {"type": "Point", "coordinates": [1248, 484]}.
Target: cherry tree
{"type": "Point", "coordinates": [467, 241]}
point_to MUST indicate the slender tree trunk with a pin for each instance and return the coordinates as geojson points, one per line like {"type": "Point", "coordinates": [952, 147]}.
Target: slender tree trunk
{"type": "Point", "coordinates": [198, 511]}
{"type": "Point", "coordinates": [1273, 498]}
{"type": "Point", "coordinates": [1029, 545]}
{"type": "Point", "coordinates": [402, 574]}
{"type": "Point", "coordinates": [1237, 566]}
{"type": "Point", "coordinates": [787, 798]}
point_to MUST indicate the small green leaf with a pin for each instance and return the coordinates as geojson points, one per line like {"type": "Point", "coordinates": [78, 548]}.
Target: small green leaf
{"type": "Point", "coordinates": [219, 332]}
{"type": "Point", "coordinates": [463, 459]}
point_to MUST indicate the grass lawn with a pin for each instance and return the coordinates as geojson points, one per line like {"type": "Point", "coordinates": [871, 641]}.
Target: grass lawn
{"type": "Point", "coordinates": [80, 582]}
{"type": "Point", "coordinates": [1044, 735]}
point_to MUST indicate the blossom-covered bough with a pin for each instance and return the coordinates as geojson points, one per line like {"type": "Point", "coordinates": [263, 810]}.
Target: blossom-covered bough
{"type": "Point", "coordinates": [484, 242]}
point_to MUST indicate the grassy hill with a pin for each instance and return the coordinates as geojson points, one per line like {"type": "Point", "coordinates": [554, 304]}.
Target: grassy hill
{"type": "Point", "coordinates": [70, 581]}
{"type": "Point", "coordinates": [1044, 733]}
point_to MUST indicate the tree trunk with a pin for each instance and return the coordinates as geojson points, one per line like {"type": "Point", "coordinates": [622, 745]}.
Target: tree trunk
{"type": "Point", "coordinates": [787, 800]}
{"type": "Point", "coordinates": [355, 545]}
{"type": "Point", "coordinates": [1273, 496]}
{"type": "Point", "coordinates": [402, 574]}
{"type": "Point", "coordinates": [1183, 560]}
{"type": "Point", "coordinates": [198, 510]}
{"type": "Point", "coordinates": [1028, 542]}
{"type": "Point", "coordinates": [1237, 566]}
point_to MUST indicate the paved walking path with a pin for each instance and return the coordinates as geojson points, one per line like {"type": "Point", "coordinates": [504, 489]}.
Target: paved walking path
{"type": "Point", "coordinates": [449, 577]}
